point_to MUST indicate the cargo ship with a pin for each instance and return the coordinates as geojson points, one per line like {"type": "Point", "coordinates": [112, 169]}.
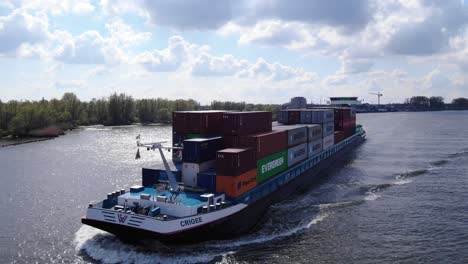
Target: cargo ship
{"type": "Point", "coordinates": [227, 168]}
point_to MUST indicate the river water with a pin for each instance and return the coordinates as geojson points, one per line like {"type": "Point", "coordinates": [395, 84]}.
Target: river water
{"type": "Point", "coordinates": [401, 197]}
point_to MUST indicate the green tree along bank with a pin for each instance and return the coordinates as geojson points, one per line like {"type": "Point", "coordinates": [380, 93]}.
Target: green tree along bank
{"type": "Point", "coordinates": [22, 118]}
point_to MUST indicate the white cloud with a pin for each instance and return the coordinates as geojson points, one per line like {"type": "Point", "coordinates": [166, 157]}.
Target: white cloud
{"type": "Point", "coordinates": [69, 84]}
{"type": "Point", "coordinates": [208, 65]}
{"type": "Point", "coordinates": [125, 35]}
{"type": "Point", "coordinates": [169, 59]}
{"type": "Point", "coordinates": [88, 48]}
{"type": "Point", "coordinates": [20, 27]}
{"type": "Point", "coordinates": [59, 7]}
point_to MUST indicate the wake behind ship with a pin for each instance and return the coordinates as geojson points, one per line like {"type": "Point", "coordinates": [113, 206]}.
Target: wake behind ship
{"type": "Point", "coordinates": [226, 169]}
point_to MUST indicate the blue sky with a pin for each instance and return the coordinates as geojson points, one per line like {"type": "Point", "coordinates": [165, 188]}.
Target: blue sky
{"type": "Point", "coordinates": [243, 50]}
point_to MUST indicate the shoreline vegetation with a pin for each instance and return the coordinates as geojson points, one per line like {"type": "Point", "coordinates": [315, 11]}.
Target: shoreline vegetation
{"type": "Point", "coordinates": [32, 121]}
{"type": "Point", "coordinates": [51, 118]}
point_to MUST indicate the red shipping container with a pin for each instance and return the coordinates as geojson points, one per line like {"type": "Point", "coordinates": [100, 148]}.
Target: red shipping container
{"type": "Point", "coordinates": [339, 136]}
{"type": "Point", "coordinates": [231, 141]}
{"type": "Point", "coordinates": [266, 144]}
{"type": "Point", "coordinates": [180, 122]}
{"type": "Point", "coordinates": [245, 123]}
{"type": "Point", "coordinates": [235, 161]}
{"type": "Point", "coordinates": [205, 122]}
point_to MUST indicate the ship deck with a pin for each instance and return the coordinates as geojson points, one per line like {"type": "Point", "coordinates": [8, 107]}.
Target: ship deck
{"type": "Point", "coordinates": [186, 199]}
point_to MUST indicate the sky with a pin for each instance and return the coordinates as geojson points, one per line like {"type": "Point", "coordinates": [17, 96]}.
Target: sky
{"type": "Point", "coordinates": [258, 51]}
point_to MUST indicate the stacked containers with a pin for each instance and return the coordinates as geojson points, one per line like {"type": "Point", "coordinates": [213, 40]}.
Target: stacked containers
{"type": "Point", "coordinates": [193, 124]}
{"type": "Point", "coordinates": [199, 155]}
{"type": "Point", "coordinates": [326, 118]}
{"type": "Point", "coordinates": [290, 117]}
{"type": "Point", "coordinates": [345, 123]}
{"type": "Point", "coordinates": [297, 142]}
{"type": "Point", "coordinates": [236, 173]}
{"type": "Point", "coordinates": [245, 123]}
{"type": "Point", "coordinates": [265, 143]}
{"type": "Point", "coordinates": [314, 139]}
{"type": "Point", "coordinates": [272, 165]}
{"type": "Point", "coordinates": [207, 180]}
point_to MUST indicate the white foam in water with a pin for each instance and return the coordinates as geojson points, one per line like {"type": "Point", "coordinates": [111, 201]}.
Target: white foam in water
{"type": "Point", "coordinates": [106, 248]}
{"type": "Point", "coordinates": [402, 181]}
{"type": "Point", "coordinates": [317, 219]}
{"type": "Point", "coordinates": [371, 196]}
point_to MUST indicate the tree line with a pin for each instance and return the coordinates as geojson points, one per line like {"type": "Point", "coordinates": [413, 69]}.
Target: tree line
{"type": "Point", "coordinates": [423, 103]}
{"type": "Point", "coordinates": [19, 118]}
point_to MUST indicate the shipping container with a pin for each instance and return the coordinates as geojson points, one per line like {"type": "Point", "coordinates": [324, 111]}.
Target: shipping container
{"type": "Point", "coordinates": [314, 132]}
{"type": "Point", "coordinates": [315, 147]}
{"type": "Point", "coordinates": [180, 122]}
{"type": "Point", "coordinates": [296, 134]}
{"type": "Point", "coordinates": [190, 171]}
{"type": "Point", "coordinates": [207, 180]}
{"type": "Point", "coordinates": [328, 142]}
{"type": "Point", "coordinates": [151, 176]}
{"type": "Point", "coordinates": [297, 154]}
{"type": "Point", "coordinates": [339, 136]}
{"type": "Point", "coordinates": [230, 141]}
{"type": "Point", "coordinates": [178, 141]}
{"type": "Point", "coordinates": [290, 116]}
{"type": "Point", "coordinates": [283, 117]}
{"type": "Point", "coordinates": [235, 161]}
{"type": "Point", "coordinates": [328, 128]}
{"type": "Point", "coordinates": [265, 143]}
{"type": "Point", "coordinates": [238, 185]}
{"type": "Point", "coordinates": [316, 116]}
{"type": "Point", "coordinates": [205, 122]}
{"type": "Point", "coordinates": [245, 123]}
{"type": "Point", "coordinates": [202, 122]}
{"type": "Point", "coordinates": [272, 165]}
{"type": "Point", "coordinates": [198, 150]}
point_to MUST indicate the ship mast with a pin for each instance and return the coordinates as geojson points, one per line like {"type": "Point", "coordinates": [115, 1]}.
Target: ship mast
{"type": "Point", "coordinates": [158, 145]}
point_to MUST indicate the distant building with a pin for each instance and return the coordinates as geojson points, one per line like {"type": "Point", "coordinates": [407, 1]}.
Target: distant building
{"type": "Point", "coordinates": [296, 103]}
{"type": "Point", "coordinates": [344, 101]}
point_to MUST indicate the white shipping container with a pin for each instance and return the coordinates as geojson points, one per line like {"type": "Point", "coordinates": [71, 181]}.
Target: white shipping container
{"type": "Point", "coordinates": [297, 134]}
{"type": "Point", "coordinates": [297, 154]}
{"type": "Point", "coordinates": [315, 132]}
{"type": "Point", "coordinates": [328, 141]}
{"type": "Point", "coordinates": [190, 171]}
{"type": "Point", "coordinates": [315, 147]}
{"type": "Point", "coordinates": [328, 129]}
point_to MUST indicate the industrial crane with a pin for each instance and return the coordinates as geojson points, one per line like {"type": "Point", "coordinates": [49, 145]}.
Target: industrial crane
{"type": "Point", "coordinates": [379, 94]}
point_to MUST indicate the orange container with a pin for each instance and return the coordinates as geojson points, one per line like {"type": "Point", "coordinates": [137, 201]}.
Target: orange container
{"type": "Point", "coordinates": [234, 186]}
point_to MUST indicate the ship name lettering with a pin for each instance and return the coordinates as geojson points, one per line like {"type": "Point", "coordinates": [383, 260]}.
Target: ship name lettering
{"type": "Point", "coordinates": [192, 221]}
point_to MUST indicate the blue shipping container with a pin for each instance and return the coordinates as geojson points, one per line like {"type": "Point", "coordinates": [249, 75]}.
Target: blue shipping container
{"type": "Point", "coordinates": [207, 180]}
{"type": "Point", "coordinates": [199, 150]}
{"type": "Point", "coordinates": [152, 176]}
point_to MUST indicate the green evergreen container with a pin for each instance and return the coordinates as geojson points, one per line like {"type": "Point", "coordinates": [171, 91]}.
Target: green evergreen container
{"type": "Point", "coordinates": [272, 165]}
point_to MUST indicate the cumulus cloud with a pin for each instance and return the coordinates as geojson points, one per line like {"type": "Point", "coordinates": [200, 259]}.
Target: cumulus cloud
{"type": "Point", "coordinates": [202, 14]}
{"type": "Point", "coordinates": [196, 60]}
{"type": "Point", "coordinates": [59, 7]}
{"type": "Point", "coordinates": [88, 48]}
{"type": "Point", "coordinates": [169, 59]}
{"type": "Point", "coordinates": [444, 19]}
{"type": "Point", "coordinates": [19, 27]}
